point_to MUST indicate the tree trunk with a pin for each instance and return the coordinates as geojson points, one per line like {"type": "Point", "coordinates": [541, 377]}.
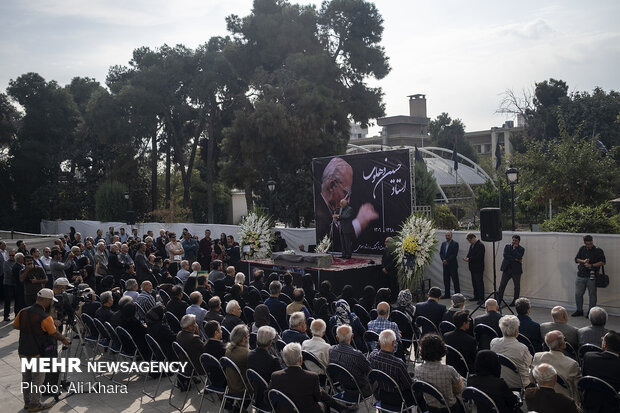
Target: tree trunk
{"type": "Point", "coordinates": [154, 194]}
{"type": "Point", "coordinates": [248, 195]}
{"type": "Point", "coordinates": [168, 167]}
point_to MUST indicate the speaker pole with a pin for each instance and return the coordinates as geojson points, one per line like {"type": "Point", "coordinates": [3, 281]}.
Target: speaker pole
{"type": "Point", "coordinates": [494, 294]}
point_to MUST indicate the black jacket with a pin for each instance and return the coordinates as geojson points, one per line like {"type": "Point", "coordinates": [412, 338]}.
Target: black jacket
{"type": "Point", "coordinates": [430, 309]}
{"type": "Point", "coordinates": [476, 257]}
{"type": "Point", "coordinates": [263, 363]}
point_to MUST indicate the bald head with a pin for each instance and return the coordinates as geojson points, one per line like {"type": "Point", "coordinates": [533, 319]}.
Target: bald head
{"type": "Point", "coordinates": [490, 305]}
{"type": "Point", "coordinates": [559, 314]}
{"type": "Point", "coordinates": [383, 309]}
{"type": "Point", "coordinates": [555, 340]}
{"type": "Point", "coordinates": [195, 298]}
{"type": "Point", "coordinates": [545, 375]}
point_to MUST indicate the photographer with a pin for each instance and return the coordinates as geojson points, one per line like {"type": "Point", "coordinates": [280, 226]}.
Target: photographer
{"type": "Point", "coordinates": [590, 259]}
{"type": "Point", "coordinates": [37, 337]}
{"type": "Point", "coordinates": [61, 308]}
{"type": "Point", "coordinates": [57, 267]}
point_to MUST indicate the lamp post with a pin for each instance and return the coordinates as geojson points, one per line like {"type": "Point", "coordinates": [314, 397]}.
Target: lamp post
{"type": "Point", "coordinates": [512, 176]}
{"type": "Point", "coordinates": [127, 218]}
{"type": "Point", "coordinates": [271, 186]}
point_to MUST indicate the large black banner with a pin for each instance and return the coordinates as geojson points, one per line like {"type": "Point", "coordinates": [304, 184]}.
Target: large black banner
{"type": "Point", "coordinates": [378, 188]}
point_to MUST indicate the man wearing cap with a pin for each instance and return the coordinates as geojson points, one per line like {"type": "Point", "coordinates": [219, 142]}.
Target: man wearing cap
{"type": "Point", "coordinates": [57, 311]}
{"type": "Point", "coordinates": [458, 304]}
{"type": "Point", "coordinates": [37, 335]}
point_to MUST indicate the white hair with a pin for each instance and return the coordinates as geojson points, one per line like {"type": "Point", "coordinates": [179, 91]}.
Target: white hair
{"type": "Point", "coordinates": [265, 335]}
{"type": "Point", "coordinates": [131, 283]}
{"type": "Point", "coordinates": [239, 278]}
{"type": "Point", "coordinates": [106, 296]}
{"type": "Point", "coordinates": [291, 353]}
{"type": "Point", "coordinates": [598, 316]}
{"type": "Point", "coordinates": [556, 343]}
{"type": "Point", "coordinates": [509, 324]}
{"type": "Point", "coordinates": [558, 313]}
{"type": "Point", "coordinates": [231, 305]}
{"type": "Point", "coordinates": [124, 300]}
{"type": "Point", "coordinates": [317, 327]}
{"type": "Point", "coordinates": [296, 319]}
{"type": "Point", "coordinates": [187, 320]}
{"type": "Point", "coordinates": [387, 337]}
{"type": "Point", "coordinates": [344, 333]}
{"type": "Point", "coordinates": [544, 373]}
{"type": "Point", "coordinates": [195, 266]}
{"type": "Point", "coordinates": [184, 263]}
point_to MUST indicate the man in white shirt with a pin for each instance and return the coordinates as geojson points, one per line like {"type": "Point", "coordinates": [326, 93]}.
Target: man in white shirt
{"type": "Point", "coordinates": [317, 345]}
{"type": "Point", "coordinates": [517, 352]}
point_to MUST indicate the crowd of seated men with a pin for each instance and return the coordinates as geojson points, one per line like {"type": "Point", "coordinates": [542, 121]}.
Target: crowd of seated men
{"type": "Point", "coordinates": [265, 323]}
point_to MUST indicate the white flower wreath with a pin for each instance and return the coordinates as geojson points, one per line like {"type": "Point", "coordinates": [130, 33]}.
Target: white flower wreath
{"type": "Point", "coordinates": [414, 247]}
{"type": "Point", "coordinates": [256, 235]}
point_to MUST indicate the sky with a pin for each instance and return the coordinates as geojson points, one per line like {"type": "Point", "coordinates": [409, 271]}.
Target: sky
{"type": "Point", "coordinates": [462, 55]}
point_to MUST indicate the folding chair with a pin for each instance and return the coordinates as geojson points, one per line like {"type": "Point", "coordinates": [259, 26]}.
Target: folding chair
{"type": "Point", "coordinates": [509, 365]}
{"type": "Point", "coordinates": [445, 327]}
{"type": "Point", "coordinates": [264, 294]}
{"type": "Point", "coordinates": [425, 325]}
{"type": "Point", "coordinates": [482, 400]}
{"type": "Point", "coordinates": [362, 314]}
{"type": "Point", "coordinates": [603, 392]}
{"type": "Point", "coordinates": [225, 334]}
{"type": "Point", "coordinates": [253, 341]}
{"type": "Point", "coordinates": [424, 388]}
{"type": "Point", "coordinates": [371, 339]}
{"type": "Point", "coordinates": [339, 375]}
{"type": "Point", "coordinates": [140, 313]}
{"type": "Point", "coordinates": [373, 314]}
{"type": "Point", "coordinates": [586, 348]}
{"type": "Point", "coordinates": [181, 376]}
{"type": "Point", "coordinates": [164, 296]}
{"type": "Point", "coordinates": [258, 386]}
{"type": "Point", "coordinates": [285, 298]}
{"type": "Point", "coordinates": [156, 355]}
{"type": "Point", "coordinates": [104, 338]}
{"type": "Point", "coordinates": [524, 340]}
{"type": "Point", "coordinates": [129, 349]}
{"type": "Point", "coordinates": [173, 322]}
{"type": "Point", "coordinates": [216, 379]}
{"type": "Point", "coordinates": [407, 331]}
{"type": "Point", "coordinates": [274, 323]}
{"type": "Point", "coordinates": [455, 359]}
{"type": "Point", "coordinates": [280, 344]}
{"type": "Point", "coordinates": [248, 313]}
{"type": "Point", "coordinates": [484, 334]}
{"type": "Point", "coordinates": [277, 398]}
{"type": "Point", "coordinates": [227, 363]}
{"type": "Point", "coordinates": [115, 344]}
{"type": "Point", "coordinates": [92, 335]}
{"type": "Point", "coordinates": [376, 377]}
{"type": "Point", "coordinates": [310, 359]}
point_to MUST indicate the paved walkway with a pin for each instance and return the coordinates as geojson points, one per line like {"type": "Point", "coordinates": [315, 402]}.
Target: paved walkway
{"type": "Point", "coordinates": [10, 377]}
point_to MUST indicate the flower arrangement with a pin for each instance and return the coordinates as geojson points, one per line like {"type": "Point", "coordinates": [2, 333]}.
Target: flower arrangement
{"type": "Point", "coordinates": [256, 235]}
{"type": "Point", "coordinates": [289, 252]}
{"type": "Point", "coordinates": [414, 247]}
{"type": "Point", "coordinates": [324, 245]}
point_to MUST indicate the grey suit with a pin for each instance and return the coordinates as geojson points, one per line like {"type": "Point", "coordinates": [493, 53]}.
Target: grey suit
{"type": "Point", "coordinates": [592, 335]}
{"type": "Point", "coordinates": [570, 332]}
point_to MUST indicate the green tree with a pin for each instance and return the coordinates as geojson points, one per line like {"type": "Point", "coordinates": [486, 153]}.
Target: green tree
{"type": "Point", "coordinates": [445, 132]}
{"type": "Point", "coordinates": [110, 203]}
{"type": "Point", "coordinates": [425, 185]}
{"type": "Point", "coordinates": [306, 72]}
{"type": "Point", "coordinates": [444, 218]}
{"type": "Point", "coordinates": [584, 218]}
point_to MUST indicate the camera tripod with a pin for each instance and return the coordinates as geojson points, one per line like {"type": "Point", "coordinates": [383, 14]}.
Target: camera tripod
{"type": "Point", "coordinates": [71, 328]}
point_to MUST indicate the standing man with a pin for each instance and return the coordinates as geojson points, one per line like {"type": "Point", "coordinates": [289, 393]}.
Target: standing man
{"type": "Point", "coordinates": [448, 253]}
{"type": "Point", "coordinates": [233, 253]}
{"type": "Point", "coordinates": [279, 243]}
{"type": "Point", "coordinates": [205, 247]}
{"type": "Point", "coordinates": [345, 217]}
{"type": "Point", "coordinates": [590, 259]}
{"type": "Point", "coordinates": [34, 279]}
{"type": "Point", "coordinates": [8, 284]}
{"type": "Point", "coordinates": [475, 259]}
{"type": "Point", "coordinates": [512, 267]}
{"type": "Point", "coordinates": [36, 333]}
{"type": "Point", "coordinates": [388, 267]}
{"type": "Point", "coordinates": [190, 247]}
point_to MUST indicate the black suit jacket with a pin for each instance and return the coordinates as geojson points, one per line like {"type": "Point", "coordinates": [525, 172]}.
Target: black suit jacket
{"type": "Point", "coordinates": [496, 389]}
{"type": "Point", "coordinates": [142, 267]}
{"type": "Point", "coordinates": [432, 310]}
{"type": "Point", "coordinates": [476, 257]}
{"type": "Point", "coordinates": [465, 344]}
{"type": "Point", "coordinates": [531, 329]}
{"type": "Point", "coordinates": [194, 347]}
{"type": "Point", "coordinates": [301, 386]}
{"type": "Point", "coordinates": [511, 255]}
{"type": "Point", "coordinates": [544, 399]}
{"type": "Point", "coordinates": [346, 220]}
{"type": "Point", "coordinates": [263, 363]}
{"type": "Point", "coordinates": [177, 307]}
{"type": "Point", "coordinates": [604, 366]}
{"type": "Point", "coordinates": [450, 254]}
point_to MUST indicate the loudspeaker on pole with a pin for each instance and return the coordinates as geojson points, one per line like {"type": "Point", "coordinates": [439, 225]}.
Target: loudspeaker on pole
{"type": "Point", "coordinates": [491, 224]}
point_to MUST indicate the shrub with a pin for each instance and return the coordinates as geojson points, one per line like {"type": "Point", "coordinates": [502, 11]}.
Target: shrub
{"type": "Point", "coordinates": [584, 219]}
{"type": "Point", "coordinates": [110, 203]}
{"type": "Point", "coordinates": [444, 218]}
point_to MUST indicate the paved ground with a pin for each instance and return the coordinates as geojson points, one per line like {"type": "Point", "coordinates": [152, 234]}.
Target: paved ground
{"type": "Point", "coordinates": [11, 399]}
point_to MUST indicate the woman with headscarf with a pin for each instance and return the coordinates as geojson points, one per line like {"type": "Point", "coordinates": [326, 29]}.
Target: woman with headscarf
{"type": "Point", "coordinates": [487, 380]}
{"type": "Point", "coordinates": [160, 331]}
{"type": "Point", "coordinates": [135, 328]}
{"type": "Point", "coordinates": [345, 316]}
{"type": "Point", "coordinates": [368, 298]}
{"type": "Point", "coordinates": [405, 305]}
{"type": "Point", "coordinates": [347, 295]}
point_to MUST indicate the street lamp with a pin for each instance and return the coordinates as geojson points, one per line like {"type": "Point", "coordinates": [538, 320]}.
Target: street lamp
{"type": "Point", "coordinates": [512, 176]}
{"type": "Point", "coordinates": [271, 185]}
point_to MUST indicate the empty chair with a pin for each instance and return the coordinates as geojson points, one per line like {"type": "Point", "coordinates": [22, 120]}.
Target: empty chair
{"type": "Point", "coordinates": [596, 393]}
{"type": "Point", "coordinates": [92, 335]}
{"type": "Point", "coordinates": [182, 379]}
{"type": "Point", "coordinates": [104, 338]}
{"type": "Point", "coordinates": [361, 313]}
{"type": "Point", "coordinates": [285, 298]}
{"type": "Point", "coordinates": [482, 400]}
{"type": "Point", "coordinates": [216, 379]}
{"type": "Point", "coordinates": [383, 381]}
{"type": "Point", "coordinates": [225, 334]}
{"type": "Point", "coordinates": [156, 355]}
{"type": "Point", "coordinates": [248, 313]}
{"type": "Point", "coordinates": [252, 341]}
{"type": "Point", "coordinates": [165, 297]}
{"type": "Point", "coordinates": [524, 340]}
{"type": "Point", "coordinates": [586, 348]}
{"type": "Point", "coordinates": [510, 367]}
{"type": "Point", "coordinates": [371, 339]}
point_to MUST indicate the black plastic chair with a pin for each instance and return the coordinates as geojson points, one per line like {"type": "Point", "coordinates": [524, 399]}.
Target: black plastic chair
{"type": "Point", "coordinates": [115, 343]}
{"type": "Point", "coordinates": [423, 388]}
{"type": "Point", "coordinates": [586, 348]}
{"type": "Point", "coordinates": [227, 363]}
{"type": "Point", "coordinates": [373, 314]}
{"type": "Point", "coordinates": [482, 400]}
{"type": "Point", "coordinates": [280, 401]}
{"type": "Point", "coordinates": [264, 294]}
{"type": "Point", "coordinates": [213, 370]}
{"type": "Point", "coordinates": [607, 395]}
{"type": "Point", "coordinates": [280, 344]}
{"type": "Point", "coordinates": [92, 335]}
{"type": "Point", "coordinates": [455, 359]}
{"type": "Point", "coordinates": [182, 376]}
{"type": "Point", "coordinates": [156, 355]}
{"type": "Point", "coordinates": [362, 314]}
{"type": "Point", "coordinates": [445, 327]}
{"type": "Point", "coordinates": [173, 322]}
{"type": "Point", "coordinates": [129, 349]}
{"type": "Point", "coordinates": [274, 323]}
{"type": "Point", "coordinates": [425, 325]}
{"type": "Point", "coordinates": [371, 338]}
{"type": "Point", "coordinates": [248, 313]}
{"type": "Point", "coordinates": [285, 299]}
{"type": "Point", "coordinates": [484, 334]}
{"type": "Point", "coordinates": [506, 362]}
{"type": "Point", "coordinates": [104, 338]}
{"type": "Point", "coordinates": [524, 340]}
{"type": "Point", "coordinates": [258, 386]}
{"type": "Point", "coordinates": [165, 297]}
{"type": "Point", "coordinates": [377, 376]}
{"type": "Point", "coordinates": [253, 341]}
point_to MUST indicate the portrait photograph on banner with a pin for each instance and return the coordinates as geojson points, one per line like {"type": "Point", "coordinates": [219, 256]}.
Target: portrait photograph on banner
{"type": "Point", "coordinates": [377, 185]}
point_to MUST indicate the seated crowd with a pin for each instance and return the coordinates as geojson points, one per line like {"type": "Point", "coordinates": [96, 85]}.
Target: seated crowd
{"type": "Point", "coordinates": [291, 336]}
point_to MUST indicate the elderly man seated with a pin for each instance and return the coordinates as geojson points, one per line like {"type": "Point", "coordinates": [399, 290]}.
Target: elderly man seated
{"type": "Point", "coordinates": [301, 386]}
{"type": "Point", "coordinates": [593, 334]}
{"type": "Point", "coordinates": [560, 322]}
{"type": "Point", "coordinates": [383, 359]}
{"type": "Point", "coordinates": [131, 288]}
{"type": "Point", "coordinates": [518, 353]}
{"type": "Point", "coordinates": [382, 322]}
{"type": "Point", "coordinates": [605, 366]}
{"type": "Point", "coordinates": [296, 333]}
{"type": "Point", "coordinates": [351, 359]}
{"type": "Point", "coordinates": [566, 367]}
{"type": "Point", "coordinates": [317, 345]}
{"type": "Point", "coordinates": [233, 315]}
{"type": "Point", "coordinates": [260, 359]}
{"type": "Point", "coordinates": [196, 299]}
{"type": "Point", "coordinates": [145, 299]}
{"type": "Point", "coordinates": [543, 399]}
{"type": "Point", "coordinates": [191, 342]}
